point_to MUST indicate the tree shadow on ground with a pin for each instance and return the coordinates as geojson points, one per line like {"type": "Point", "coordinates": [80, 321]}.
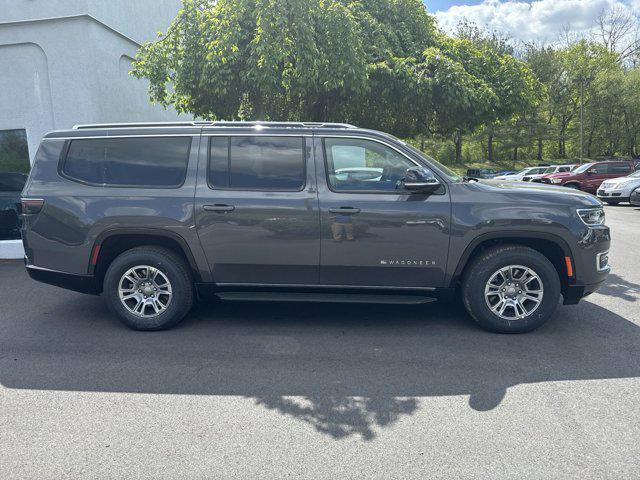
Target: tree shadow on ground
{"type": "Point", "coordinates": [347, 370]}
{"type": "Point", "coordinates": [618, 287]}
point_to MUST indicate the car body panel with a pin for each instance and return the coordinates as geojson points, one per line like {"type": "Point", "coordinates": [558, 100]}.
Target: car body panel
{"type": "Point", "coordinates": [404, 240]}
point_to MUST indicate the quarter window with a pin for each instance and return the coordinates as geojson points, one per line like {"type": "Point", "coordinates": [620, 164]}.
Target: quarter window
{"type": "Point", "coordinates": [137, 162]}
{"type": "Point", "coordinates": [621, 168]}
{"type": "Point", "coordinates": [363, 165]}
{"type": "Point", "coordinates": [257, 163]}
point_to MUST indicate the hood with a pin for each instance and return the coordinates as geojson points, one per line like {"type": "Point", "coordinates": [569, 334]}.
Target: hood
{"type": "Point", "coordinates": [615, 181]}
{"type": "Point", "coordinates": [558, 175]}
{"type": "Point", "coordinates": [543, 192]}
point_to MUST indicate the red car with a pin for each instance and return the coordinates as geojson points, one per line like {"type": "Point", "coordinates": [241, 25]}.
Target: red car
{"type": "Point", "coordinates": [589, 176]}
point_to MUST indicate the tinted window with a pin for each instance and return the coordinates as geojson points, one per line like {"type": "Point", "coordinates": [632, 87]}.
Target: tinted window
{"type": "Point", "coordinates": [257, 163]}
{"type": "Point", "coordinates": [154, 162]}
{"type": "Point", "coordinates": [356, 165]}
{"type": "Point", "coordinates": [621, 168]}
{"type": "Point", "coordinates": [601, 168]}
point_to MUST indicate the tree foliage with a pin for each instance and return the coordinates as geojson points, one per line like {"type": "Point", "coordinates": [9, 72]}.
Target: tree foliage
{"type": "Point", "coordinates": [384, 64]}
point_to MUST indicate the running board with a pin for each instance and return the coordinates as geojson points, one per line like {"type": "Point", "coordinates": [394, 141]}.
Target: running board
{"type": "Point", "coordinates": [324, 297]}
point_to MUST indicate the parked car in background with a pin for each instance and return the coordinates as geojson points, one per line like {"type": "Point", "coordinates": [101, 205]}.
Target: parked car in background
{"type": "Point", "coordinates": [11, 184]}
{"type": "Point", "coordinates": [619, 189]}
{"type": "Point", "coordinates": [481, 173]}
{"type": "Point", "coordinates": [153, 216]}
{"type": "Point", "coordinates": [550, 171]}
{"type": "Point", "coordinates": [589, 177]}
{"type": "Point", "coordinates": [506, 172]}
{"type": "Point", "coordinates": [519, 176]}
{"type": "Point", "coordinates": [634, 198]}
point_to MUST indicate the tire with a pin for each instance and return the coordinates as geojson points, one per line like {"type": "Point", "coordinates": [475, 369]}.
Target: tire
{"type": "Point", "coordinates": [171, 301]}
{"type": "Point", "coordinates": [484, 268]}
{"type": "Point", "coordinates": [574, 186]}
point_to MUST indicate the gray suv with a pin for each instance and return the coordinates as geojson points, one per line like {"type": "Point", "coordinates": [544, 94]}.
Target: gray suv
{"type": "Point", "coordinates": [153, 216]}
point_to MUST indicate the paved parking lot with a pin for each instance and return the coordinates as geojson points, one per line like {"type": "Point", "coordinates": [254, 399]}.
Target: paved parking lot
{"type": "Point", "coordinates": [321, 391]}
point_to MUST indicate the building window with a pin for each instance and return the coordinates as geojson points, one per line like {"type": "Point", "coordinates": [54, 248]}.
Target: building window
{"type": "Point", "coordinates": [14, 168]}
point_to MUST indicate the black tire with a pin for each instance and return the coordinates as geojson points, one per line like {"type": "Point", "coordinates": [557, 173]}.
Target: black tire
{"type": "Point", "coordinates": [171, 266]}
{"type": "Point", "coordinates": [482, 268]}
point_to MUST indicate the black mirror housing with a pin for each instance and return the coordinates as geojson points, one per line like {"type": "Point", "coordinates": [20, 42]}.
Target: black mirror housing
{"type": "Point", "coordinates": [419, 180]}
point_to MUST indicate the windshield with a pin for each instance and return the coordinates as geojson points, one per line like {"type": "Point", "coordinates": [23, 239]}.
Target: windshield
{"type": "Point", "coordinates": [635, 174]}
{"type": "Point", "coordinates": [451, 175]}
{"type": "Point", "coordinates": [550, 170]}
{"type": "Point", "coordinates": [583, 168]}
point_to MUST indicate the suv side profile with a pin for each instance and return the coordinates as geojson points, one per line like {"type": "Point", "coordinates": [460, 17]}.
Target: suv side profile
{"type": "Point", "coordinates": [153, 216]}
{"type": "Point", "coordinates": [589, 177]}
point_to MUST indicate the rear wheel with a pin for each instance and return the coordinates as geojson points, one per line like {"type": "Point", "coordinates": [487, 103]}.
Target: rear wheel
{"type": "Point", "coordinates": [149, 288]}
{"type": "Point", "coordinates": [511, 289]}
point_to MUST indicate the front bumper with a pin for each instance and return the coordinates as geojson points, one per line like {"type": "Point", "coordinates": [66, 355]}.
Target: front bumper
{"type": "Point", "coordinates": [574, 293]}
{"type": "Point", "coordinates": [609, 195]}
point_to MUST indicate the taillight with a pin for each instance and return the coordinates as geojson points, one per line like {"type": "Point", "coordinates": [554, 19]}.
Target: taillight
{"type": "Point", "coordinates": [31, 205]}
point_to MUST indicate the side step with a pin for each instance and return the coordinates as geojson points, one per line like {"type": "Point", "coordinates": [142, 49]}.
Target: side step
{"type": "Point", "coordinates": [324, 297]}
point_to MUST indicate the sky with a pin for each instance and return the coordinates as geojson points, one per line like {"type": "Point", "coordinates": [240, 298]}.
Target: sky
{"type": "Point", "coordinates": [536, 20]}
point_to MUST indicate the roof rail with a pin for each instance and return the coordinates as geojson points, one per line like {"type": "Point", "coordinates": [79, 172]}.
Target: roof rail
{"type": "Point", "coordinates": [222, 123]}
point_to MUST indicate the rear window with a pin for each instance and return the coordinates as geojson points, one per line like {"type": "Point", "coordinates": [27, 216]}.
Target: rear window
{"type": "Point", "coordinates": [137, 162]}
{"type": "Point", "coordinates": [257, 163]}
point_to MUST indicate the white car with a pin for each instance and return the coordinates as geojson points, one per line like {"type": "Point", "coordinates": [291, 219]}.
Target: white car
{"type": "Point", "coordinates": [618, 190]}
{"type": "Point", "coordinates": [519, 176]}
{"type": "Point", "coordinates": [550, 170]}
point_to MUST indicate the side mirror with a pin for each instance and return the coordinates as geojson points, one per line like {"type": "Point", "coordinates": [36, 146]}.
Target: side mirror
{"type": "Point", "coordinates": [591, 171]}
{"type": "Point", "coordinates": [420, 180]}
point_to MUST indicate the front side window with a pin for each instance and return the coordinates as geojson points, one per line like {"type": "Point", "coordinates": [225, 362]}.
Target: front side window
{"type": "Point", "coordinates": [14, 168]}
{"type": "Point", "coordinates": [363, 165]}
{"type": "Point", "coordinates": [257, 163]}
{"type": "Point", "coordinates": [137, 162]}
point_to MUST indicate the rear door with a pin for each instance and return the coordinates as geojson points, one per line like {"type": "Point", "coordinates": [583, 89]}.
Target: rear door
{"type": "Point", "coordinates": [373, 232]}
{"type": "Point", "coordinates": [257, 208]}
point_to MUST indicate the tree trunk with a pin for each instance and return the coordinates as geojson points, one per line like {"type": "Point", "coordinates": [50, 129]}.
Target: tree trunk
{"type": "Point", "coordinates": [422, 144]}
{"type": "Point", "coordinates": [515, 155]}
{"type": "Point", "coordinates": [490, 148]}
{"type": "Point", "coordinates": [457, 139]}
{"type": "Point", "coordinates": [539, 149]}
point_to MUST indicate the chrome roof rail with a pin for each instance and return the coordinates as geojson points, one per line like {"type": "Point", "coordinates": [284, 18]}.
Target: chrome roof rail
{"type": "Point", "coordinates": [221, 123]}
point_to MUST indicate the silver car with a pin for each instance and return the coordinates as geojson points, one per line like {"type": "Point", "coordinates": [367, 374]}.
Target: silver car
{"type": "Point", "coordinates": [618, 190]}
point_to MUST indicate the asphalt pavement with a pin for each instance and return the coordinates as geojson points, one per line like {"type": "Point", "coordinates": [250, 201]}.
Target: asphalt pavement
{"type": "Point", "coordinates": [321, 390]}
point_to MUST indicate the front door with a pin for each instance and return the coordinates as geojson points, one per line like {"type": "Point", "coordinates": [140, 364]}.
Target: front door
{"type": "Point", "coordinates": [373, 232]}
{"type": "Point", "coordinates": [257, 209]}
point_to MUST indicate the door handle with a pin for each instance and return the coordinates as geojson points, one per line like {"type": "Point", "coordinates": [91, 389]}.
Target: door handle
{"type": "Point", "coordinates": [344, 210]}
{"type": "Point", "coordinates": [219, 208]}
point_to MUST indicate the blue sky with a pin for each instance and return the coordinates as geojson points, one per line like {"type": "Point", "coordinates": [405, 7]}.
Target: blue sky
{"type": "Point", "coordinates": [528, 20]}
{"type": "Point", "coordinates": [439, 5]}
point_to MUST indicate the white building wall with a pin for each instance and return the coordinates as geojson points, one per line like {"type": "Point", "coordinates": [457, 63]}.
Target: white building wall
{"type": "Point", "coordinates": [65, 62]}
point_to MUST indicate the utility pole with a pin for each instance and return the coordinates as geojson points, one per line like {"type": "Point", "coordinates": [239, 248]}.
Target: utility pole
{"type": "Point", "coordinates": [581, 115]}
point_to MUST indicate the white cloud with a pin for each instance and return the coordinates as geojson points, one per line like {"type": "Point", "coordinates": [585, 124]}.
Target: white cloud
{"type": "Point", "coordinates": [540, 20]}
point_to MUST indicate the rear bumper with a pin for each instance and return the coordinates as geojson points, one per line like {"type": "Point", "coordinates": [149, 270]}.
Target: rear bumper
{"type": "Point", "coordinates": [77, 283]}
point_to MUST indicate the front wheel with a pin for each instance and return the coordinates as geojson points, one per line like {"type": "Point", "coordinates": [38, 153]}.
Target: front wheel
{"type": "Point", "coordinates": [511, 289]}
{"type": "Point", "coordinates": [149, 288]}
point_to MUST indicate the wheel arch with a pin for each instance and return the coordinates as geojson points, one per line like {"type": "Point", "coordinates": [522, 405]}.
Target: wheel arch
{"type": "Point", "coordinates": [112, 243]}
{"type": "Point", "coordinates": [553, 247]}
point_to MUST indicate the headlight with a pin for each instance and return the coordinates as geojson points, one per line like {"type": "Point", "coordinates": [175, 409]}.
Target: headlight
{"type": "Point", "coordinates": [556, 180]}
{"type": "Point", "coordinates": [592, 216]}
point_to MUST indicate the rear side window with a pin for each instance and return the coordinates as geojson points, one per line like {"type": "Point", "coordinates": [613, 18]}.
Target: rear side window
{"type": "Point", "coordinates": [257, 163]}
{"type": "Point", "coordinates": [621, 168]}
{"type": "Point", "coordinates": [137, 162]}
